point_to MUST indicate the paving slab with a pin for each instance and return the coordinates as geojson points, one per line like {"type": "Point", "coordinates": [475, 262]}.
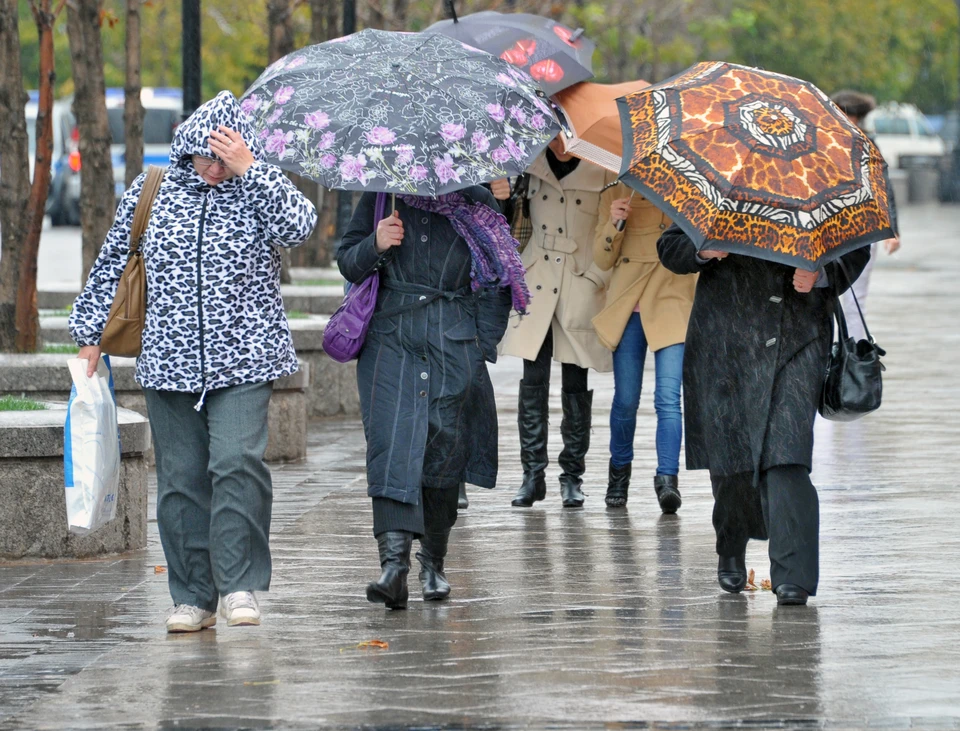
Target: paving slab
{"type": "Point", "coordinates": [559, 619]}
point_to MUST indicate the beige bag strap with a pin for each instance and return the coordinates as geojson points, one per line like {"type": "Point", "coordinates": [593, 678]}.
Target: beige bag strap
{"type": "Point", "coordinates": [141, 214]}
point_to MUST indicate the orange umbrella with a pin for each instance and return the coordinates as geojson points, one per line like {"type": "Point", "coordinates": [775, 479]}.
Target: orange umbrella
{"type": "Point", "coordinates": [591, 121]}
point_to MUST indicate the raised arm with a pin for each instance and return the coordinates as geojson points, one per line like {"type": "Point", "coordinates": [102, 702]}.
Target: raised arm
{"type": "Point", "coordinates": [285, 213]}
{"type": "Point", "coordinates": [678, 253]}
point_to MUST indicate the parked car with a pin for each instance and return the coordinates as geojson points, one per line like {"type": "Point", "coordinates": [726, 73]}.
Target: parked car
{"type": "Point", "coordinates": [162, 112]}
{"type": "Point", "coordinates": [905, 137]}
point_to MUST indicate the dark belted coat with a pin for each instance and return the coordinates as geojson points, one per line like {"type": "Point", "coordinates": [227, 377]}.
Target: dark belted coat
{"type": "Point", "coordinates": [427, 402]}
{"type": "Point", "coordinates": [755, 358]}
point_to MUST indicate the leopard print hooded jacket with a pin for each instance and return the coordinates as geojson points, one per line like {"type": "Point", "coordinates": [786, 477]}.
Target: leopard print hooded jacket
{"type": "Point", "coordinates": [215, 317]}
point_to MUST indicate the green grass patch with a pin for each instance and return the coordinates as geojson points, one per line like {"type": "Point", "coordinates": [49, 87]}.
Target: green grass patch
{"type": "Point", "coordinates": [318, 282]}
{"type": "Point", "coordinates": [12, 403]}
{"type": "Point", "coordinates": [297, 315]}
{"type": "Point", "coordinates": [56, 313]}
{"type": "Point", "coordinates": [61, 348]}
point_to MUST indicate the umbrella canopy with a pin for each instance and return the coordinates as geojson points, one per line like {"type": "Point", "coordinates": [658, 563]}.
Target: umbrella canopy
{"type": "Point", "coordinates": [399, 113]}
{"type": "Point", "coordinates": [553, 54]}
{"type": "Point", "coordinates": [590, 121]}
{"type": "Point", "coordinates": [753, 162]}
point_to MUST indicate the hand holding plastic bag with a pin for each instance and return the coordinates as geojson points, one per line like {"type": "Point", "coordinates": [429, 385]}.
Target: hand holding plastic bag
{"type": "Point", "coordinates": [91, 450]}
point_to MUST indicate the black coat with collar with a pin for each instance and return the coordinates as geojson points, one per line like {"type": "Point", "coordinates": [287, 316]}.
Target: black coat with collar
{"type": "Point", "coordinates": [755, 358]}
{"type": "Point", "coordinates": [428, 406]}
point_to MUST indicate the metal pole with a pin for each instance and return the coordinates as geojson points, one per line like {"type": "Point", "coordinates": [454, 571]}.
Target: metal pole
{"type": "Point", "coordinates": [191, 57]}
{"type": "Point", "coordinates": [345, 197]}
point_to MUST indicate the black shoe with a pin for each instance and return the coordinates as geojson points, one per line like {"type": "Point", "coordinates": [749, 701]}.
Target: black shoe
{"type": "Point", "coordinates": [575, 430]}
{"type": "Point", "coordinates": [391, 588]}
{"type": "Point", "coordinates": [617, 486]}
{"type": "Point", "coordinates": [532, 412]}
{"type": "Point", "coordinates": [732, 573]}
{"type": "Point", "coordinates": [791, 595]}
{"type": "Point", "coordinates": [668, 494]}
{"type": "Point", "coordinates": [463, 502]}
{"type": "Point", "coordinates": [433, 550]}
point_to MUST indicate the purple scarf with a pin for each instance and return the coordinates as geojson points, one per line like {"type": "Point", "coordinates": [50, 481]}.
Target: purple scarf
{"type": "Point", "coordinates": [487, 233]}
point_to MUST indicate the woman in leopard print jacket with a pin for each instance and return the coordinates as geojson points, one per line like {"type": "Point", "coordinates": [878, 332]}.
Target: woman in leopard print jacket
{"type": "Point", "coordinates": [215, 339]}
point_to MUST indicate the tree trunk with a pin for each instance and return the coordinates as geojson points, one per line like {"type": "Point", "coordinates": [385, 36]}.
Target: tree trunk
{"type": "Point", "coordinates": [132, 106]}
{"type": "Point", "coordinates": [27, 319]}
{"type": "Point", "coordinates": [97, 202]}
{"type": "Point", "coordinates": [14, 171]}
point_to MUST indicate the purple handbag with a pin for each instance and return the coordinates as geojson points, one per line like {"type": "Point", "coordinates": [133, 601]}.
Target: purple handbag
{"type": "Point", "coordinates": [345, 332]}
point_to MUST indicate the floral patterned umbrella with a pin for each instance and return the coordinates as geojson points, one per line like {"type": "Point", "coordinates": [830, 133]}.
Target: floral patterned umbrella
{"type": "Point", "coordinates": [399, 113]}
{"type": "Point", "coordinates": [755, 163]}
{"type": "Point", "coordinates": [553, 54]}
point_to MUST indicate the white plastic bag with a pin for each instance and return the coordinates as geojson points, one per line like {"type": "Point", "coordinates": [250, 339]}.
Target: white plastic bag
{"type": "Point", "coordinates": [91, 448]}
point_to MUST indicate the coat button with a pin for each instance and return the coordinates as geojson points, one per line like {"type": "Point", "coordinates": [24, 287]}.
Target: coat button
{"type": "Point", "coordinates": [561, 199]}
{"type": "Point", "coordinates": [544, 197]}
{"type": "Point", "coordinates": [578, 201]}
{"type": "Point", "coordinates": [423, 376]}
{"type": "Point", "coordinates": [771, 342]}
{"type": "Point", "coordinates": [626, 260]}
{"type": "Point", "coordinates": [560, 230]}
{"type": "Point", "coordinates": [558, 260]}
{"type": "Point", "coordinates": [776, 300]}
{"type": "Point", "coordinates": [423, 297]}
{"type": "Point", "coordinates": [539, 287]}
{"type": "Point", "coordinates": [554, 290]}
{"type": "Point", "coordinates": [546, 257]}
{"type": "Point", "coordinates": [663, 226]}
{"type": "Point", "coordinates": [423, 239]}
{"type": "Point", "coordinates": [544, 227]}
{"type": "Point", "coordinates": [422, 394]}
{"type": "Point", "coordinates": [424, 220]}
{"type": "Point", "coordinates": [609, 241]}
{"type": "Point", "coordinates": [606, 248]}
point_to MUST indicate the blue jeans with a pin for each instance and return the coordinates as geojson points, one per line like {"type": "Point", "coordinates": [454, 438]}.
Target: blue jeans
{"type": "Point", "coordinates": [627, 379]}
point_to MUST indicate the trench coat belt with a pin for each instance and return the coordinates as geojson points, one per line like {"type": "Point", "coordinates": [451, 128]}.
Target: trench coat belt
{"type": "Point", "coordinates": [425, 295]}
{"type": "Point", "coordinates": [559, 243]}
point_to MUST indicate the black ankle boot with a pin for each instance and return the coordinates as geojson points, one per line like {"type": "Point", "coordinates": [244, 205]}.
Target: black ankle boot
{"type": "Point", "coordinates": [575, 430]}
{"type": "Point", "coordinates": [791, 595]}
{"type": "Point", "coordinates": [463, 502]}
{"type": "Point", "coordinates": [617, 485]}
{"type": "Point", "coordinates": [433, 550]}
{"type": "Point", "coordinates": [732, 573]}
{"type": "Point", "coordinates": [668, 493]}
{"type": "Point", "coordinates": [391, 587]}
{"type": "Point", "coordinates": [532, 412]}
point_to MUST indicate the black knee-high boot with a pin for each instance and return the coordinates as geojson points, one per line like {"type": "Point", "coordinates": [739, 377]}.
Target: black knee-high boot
{"type": "Point", "coordinates": [575, 430]}
{"type": "Point", "coordinates": [391, 588]}
{"type": "Point", "coordinates": [533, 409]}
{"type": "Point", "coordinates": [433, 550]}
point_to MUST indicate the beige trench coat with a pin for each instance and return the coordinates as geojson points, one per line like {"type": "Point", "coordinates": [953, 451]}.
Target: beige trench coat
{"type": "Point", "coordinates": [638, 276]}
{"type": "Point", "coordinates": [566, 287]}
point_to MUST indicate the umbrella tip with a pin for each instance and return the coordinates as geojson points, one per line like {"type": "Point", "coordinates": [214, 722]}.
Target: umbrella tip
{"type": "Point", "coordinates": [576, 34]}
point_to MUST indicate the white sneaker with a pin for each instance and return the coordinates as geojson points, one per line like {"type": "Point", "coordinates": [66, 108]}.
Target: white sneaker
{"type": "Point", "coordinates": [185, 618]}
{"type": "Point", "coordinates": [240, 609]}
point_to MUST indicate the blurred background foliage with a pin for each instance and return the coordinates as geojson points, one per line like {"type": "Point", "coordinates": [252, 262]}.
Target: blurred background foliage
{"type": "Point", "coordinates": [902, 50]}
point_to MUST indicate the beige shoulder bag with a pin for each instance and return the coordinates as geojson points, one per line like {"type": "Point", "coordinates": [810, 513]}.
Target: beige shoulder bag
{"type": "Point", "coordinates": [124, 329]}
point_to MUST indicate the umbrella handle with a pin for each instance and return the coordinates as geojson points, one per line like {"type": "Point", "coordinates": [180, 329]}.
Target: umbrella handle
{"type": "Point", "coordinates": [393, 203]}
{"type": "Point", "coordinates": [451, 8]}
{"type": "Point", "coordinates": [620, 225]}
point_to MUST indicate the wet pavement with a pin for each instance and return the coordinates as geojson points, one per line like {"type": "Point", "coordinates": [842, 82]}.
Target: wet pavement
{"type": "Point", "coordinates": [560, 619]}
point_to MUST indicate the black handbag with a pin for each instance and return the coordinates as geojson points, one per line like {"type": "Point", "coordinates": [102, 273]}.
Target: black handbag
{"type": "Point", "coordinates": [853, 385]}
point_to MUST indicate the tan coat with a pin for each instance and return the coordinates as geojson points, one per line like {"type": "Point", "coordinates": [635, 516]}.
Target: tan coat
{"type": "Point", "coordinates": [567, 288]}
{"type": "Point", "coordinates": [638, 276]}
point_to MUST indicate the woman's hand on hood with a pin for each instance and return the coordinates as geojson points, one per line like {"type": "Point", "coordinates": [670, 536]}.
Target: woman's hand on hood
{"type": "Point", "coordinates": [229, 146]}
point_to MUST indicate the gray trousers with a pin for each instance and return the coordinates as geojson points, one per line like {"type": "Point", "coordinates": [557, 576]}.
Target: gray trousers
{"type": "Point", "coordinates": [214, 494]}
{"type": "Point", "coordinates": [785, 509]}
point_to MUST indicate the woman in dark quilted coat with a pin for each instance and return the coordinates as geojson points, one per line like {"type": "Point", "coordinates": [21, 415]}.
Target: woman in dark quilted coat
{"type": "Point", "coordinates": [447, 268]}
{"type": "Point", "coordinates": [756, 352]}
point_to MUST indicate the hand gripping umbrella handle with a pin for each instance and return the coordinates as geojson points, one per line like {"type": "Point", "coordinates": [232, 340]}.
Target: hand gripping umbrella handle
{"type": "Point", "coordinates": [620, 225]}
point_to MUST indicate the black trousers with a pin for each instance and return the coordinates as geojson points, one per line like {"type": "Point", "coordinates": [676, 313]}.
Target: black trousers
{"type": "Point", "coordinates": [435, 513]}
{"type": "Point", "coordinates": [785, 509]}
{"type": "Point", "coordinates": [537, 372]}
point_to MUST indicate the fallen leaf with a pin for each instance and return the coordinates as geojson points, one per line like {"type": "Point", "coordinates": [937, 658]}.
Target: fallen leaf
{"type": "Point", "coordinates": [378, 644]}
{"type": "Point", "coordinates": [750, 579]}
{"type": "Point", "coordinates": [159, 569]}
{"type": "Point", "coordinates": [766, 585]}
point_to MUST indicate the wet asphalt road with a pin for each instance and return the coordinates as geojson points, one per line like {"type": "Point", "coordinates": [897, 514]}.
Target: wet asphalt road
{"type": "Point", "coordinates": [564, 619]}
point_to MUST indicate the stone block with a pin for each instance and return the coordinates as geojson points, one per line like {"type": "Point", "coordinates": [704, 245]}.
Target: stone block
{"type": "Point", "coordinates": [333, 386]}
{"type": "Point", "coordinates": [33, 513]}
{"type": "Point", "coordinates": [314, 300]}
